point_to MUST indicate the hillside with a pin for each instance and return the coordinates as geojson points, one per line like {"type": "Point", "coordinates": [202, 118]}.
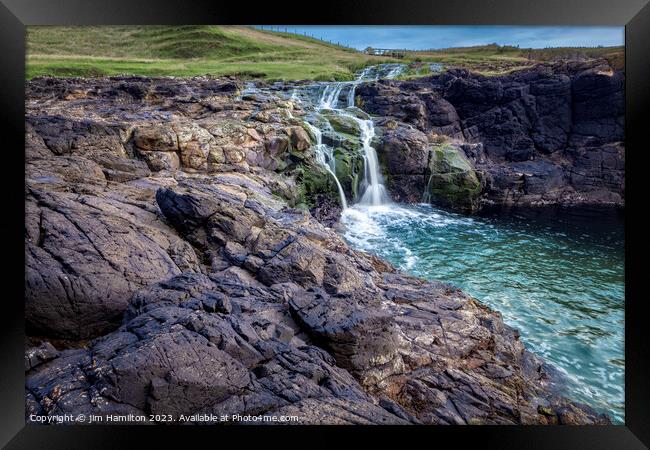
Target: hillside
{"type": "Point", "coordinates": [186, 51]}
{"type": "Point", "coordinates": [252, 53]}
{"type": "Point", "coordinates": [496, 59]}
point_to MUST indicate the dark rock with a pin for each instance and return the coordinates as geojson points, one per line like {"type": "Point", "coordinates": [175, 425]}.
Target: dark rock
{"type": "Point", "coordinates": [565, 115]}
{"type": "Point", "coordinates": [326, 212]}
{"type": "Point", "coordinates": [206, 293]}
{"type": "Point", "coordinates": [39, 355]}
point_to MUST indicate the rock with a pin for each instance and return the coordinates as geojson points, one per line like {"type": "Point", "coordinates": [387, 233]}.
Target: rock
{"type": "Point", "coordinates": [566, 115]}
{"type": "Point", "coordinates": [315, 183]}
{"type": "Point", "coordinates": [85, 257]}
{"type": "Point", "coordinates": [156, 138]}
{"type": "Point", "coordinates": [63, 170]}
{"type": "Point", "coordinates": [194, 144]}
{"type": "Point", "coordinates": [120, 169]}
{"type": "Point", "coordinates": [158, 161]}
{"type": "Point", "coordinates": [277, 145]}
{"type": "Point", "coordinates": [300, 140]}
{"type": "Point", "coordinates": [342, 124]}
{"type": "Point", "coordinates": [326, 211]}
{"type": "Point", "coordinates": [452, 179]}
{"type": "Point", "coordinates": [420, 170]}
{"type": "Point", "coordinates": [204, 289]}
{"type": "Point", "coordinates": [404, 152]}
{"type": "Point", "coordinates": [178, 361]}
{"type": "Point", "coordinates": [363, 340]}
{"type": "Point", "coordinates": [84, 136]}
{"type": "Point", "coordinates": [36, 356]}
{"type": "Point", "coordinates": [314, 323]}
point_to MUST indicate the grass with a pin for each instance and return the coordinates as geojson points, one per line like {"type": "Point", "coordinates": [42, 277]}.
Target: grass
{"type": "Point", "coordinates": [494, 59]}
{"type": "Point", "coordinates": [91, 51]}
{"type": "Point", "coordinates": [187, 51]}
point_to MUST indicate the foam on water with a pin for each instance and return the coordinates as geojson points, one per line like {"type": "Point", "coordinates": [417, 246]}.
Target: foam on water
{"type": "Point", "coordinates": [559, 281]}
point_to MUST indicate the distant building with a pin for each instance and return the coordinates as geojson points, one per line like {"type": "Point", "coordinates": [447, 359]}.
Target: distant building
{"type": "Point", "coordinates": [384, 52]}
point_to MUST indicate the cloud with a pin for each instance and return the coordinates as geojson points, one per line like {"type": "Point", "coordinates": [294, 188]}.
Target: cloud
{"type": "Point", "coordinates": [439, 36]}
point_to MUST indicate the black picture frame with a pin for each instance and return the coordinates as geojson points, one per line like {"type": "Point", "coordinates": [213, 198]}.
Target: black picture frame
{"type": "Point", "coordinates": [16, 14]}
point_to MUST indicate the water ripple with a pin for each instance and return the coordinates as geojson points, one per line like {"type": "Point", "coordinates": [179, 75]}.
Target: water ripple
{"type": "Point", "coordinates": [558, 279]}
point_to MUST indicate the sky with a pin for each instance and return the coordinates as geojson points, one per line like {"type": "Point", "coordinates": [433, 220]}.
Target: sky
{"type": "Point", "coordinates": [439, 36]}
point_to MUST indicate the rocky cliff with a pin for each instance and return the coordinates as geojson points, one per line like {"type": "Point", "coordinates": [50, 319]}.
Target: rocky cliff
{"type": "Point", "coordinates": [551, 134]}
{"type": "Point", "coordinates": [173, 267]}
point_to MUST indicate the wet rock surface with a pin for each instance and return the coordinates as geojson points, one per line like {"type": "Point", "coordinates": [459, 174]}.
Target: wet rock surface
{"type": "Point", "coordinates": [551, 134]}
{"type": "Point", "coordinates": [165, 246]}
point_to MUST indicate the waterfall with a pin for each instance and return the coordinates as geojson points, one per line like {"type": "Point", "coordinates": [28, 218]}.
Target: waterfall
{"type": "Point", "coordinates": [395, 71]}
{"type": "Point", "coordinates": [325, 157]}
{"type": "Point", "coordinates": [374, 191]}
{"type": "Point", "coordinates": [362, 76]}
{"type": "Point", "coordinates": [330, 97]}
{"type": "Point", "coordinates": [426, 196]}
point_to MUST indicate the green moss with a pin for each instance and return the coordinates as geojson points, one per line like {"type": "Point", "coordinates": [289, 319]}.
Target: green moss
{"type": "Point", "coordinates": [282, 164]}
{"type": "Point", "coordinates": [312, 182]}
{"type": "Point", "coordinates": [346, 142]}
{"type": "Point", "coordinates": [342, 124]}
{"type": "Point", "coordinates": [356, 112]}
{"type": "Point", "coordinates": [452, 180]}
{"type": "Point", "coordinates": [349, 170]}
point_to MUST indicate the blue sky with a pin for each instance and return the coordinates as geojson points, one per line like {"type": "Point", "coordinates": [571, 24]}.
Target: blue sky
{"type": "Point", "coordinates": [438, 36]}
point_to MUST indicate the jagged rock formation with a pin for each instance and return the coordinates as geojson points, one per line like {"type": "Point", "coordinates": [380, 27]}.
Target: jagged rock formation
{"type": "Point", "coordinates": [169, 263]}
{"type": "Point", "coordinates": [552, 134]}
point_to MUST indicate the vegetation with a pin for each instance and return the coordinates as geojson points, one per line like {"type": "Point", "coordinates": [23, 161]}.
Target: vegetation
{"type": "Point", "coordinates": [249, 52]}
{"type": "Point", "coordinates": [187, 51]}
{"type": "Point", "coordinates": [496, 59]}
{"type": "Point", "coordinates": [452, 180]}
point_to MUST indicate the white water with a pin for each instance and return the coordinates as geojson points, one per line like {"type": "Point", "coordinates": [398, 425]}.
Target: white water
{"type": "Point", "coordinates": [362, 76]}
{"type": "Point", "coordinates": [330, 96]}
{"type": "Point", "coordinates": [374, 191]}
{"type": "Point", "coordinates": [325, 157]}
{"type": "Point", "coordinates": [472, 253]}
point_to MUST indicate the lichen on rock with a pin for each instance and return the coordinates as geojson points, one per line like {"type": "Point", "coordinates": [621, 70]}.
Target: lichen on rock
{"type": "Point", "coordinates": [452, 180]}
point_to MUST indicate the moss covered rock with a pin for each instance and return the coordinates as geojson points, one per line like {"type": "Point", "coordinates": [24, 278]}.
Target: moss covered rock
{"type": "Point", "coordinates": [342, 123]}
{"type": "Point", "coordinates": [452, 179]}
{"type": "Point", "coordinates": [349, 170]}
{"type": "Point", "coordinates": [314, 182]}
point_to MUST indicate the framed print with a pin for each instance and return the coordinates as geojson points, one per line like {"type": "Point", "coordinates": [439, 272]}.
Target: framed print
{"type": "Point", "coordinates": [376, 220]}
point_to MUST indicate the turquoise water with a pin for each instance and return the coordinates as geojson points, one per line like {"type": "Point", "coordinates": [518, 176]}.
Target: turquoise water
{"type": "Point", "coordinates": [557, 276]}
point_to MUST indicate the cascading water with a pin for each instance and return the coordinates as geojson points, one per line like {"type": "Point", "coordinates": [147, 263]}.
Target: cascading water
{"type": "Point", "coordinates": [471, 252]}
{"type": "Point", "coordinates": [330, 96]}
{"type": "Point", "coordinates": [362, 76]}
{"type": "Point", "coordinates": [374, 191]}
{"type": "Point", "coordinates": [325, 157]}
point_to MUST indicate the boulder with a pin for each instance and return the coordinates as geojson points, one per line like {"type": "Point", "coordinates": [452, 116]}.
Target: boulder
{"type": "Point", "coordinates": [342, 124]}
{"type": "Point", "coordinates": [194, 145]}
{"type": "Point", "coordinates": [299, 138]}
{"type": "Point", "coordinates": [452, 179]}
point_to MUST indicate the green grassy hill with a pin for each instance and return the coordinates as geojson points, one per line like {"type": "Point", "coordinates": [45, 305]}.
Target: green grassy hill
{"type": "Point", "coordinates": [247, 52]}
{"type": "Point", "coordinates": [186, 51]}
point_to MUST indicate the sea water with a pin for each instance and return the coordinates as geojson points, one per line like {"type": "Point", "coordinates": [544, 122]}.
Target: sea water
{"type": "Point", "coordinates": [556, 275]}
